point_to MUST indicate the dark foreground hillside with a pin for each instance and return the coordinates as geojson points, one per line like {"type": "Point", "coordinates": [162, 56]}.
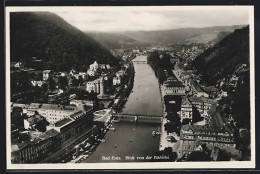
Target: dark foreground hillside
{"type": "Point", "coordinates": [46, 36]}
{"type": "Point", "coordinates": [226, 65]}
{"type": "Point", "coordinates": [222, 59]}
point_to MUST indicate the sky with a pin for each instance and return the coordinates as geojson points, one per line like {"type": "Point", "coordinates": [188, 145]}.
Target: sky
{"type": "Point", "coordinates": [141, 18]}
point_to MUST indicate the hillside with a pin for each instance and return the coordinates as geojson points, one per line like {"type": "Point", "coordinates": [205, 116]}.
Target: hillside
{"type": "Point", "coordinates": [177, 36]}
{"type": "Point", "coordinates": [226, 66]}
{"type": "Point", "coordinates": [222, 59]}
{"type": "Point", "coordinates": [47, 36]}
{"type": "Point", "coordinates": [116, 41]}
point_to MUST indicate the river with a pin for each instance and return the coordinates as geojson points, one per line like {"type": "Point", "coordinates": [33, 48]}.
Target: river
{"type": "Point", "coordinates": [145, 99]}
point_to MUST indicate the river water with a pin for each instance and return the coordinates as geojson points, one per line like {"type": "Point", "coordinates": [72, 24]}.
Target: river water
{"type": "Point", "coordinates": [145, 99]}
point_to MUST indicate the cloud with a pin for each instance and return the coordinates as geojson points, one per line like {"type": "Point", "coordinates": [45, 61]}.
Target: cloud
{"type": "Point", "coordinates": [131, 20]}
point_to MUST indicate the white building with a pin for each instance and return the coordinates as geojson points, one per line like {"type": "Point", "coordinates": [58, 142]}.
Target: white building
{"type": "Point", "coordinates": [93, 86]}
{"type": "Point", "coordinates": [83, 75]}
{"type": "Point", "coordinates": [117, 80]}
{"type": "Point", "coordinates": [54, 113]}
{"type": "Point", "coordinates": [37, 83]}
{"type": "Point", "coordinates": [186, 109]}
{"type": "Point", "coordinates": [46, 74]}
{"type": "Point", "coordinates": [18, 64]}
{"type": "Point", "coordinates": [94, 66]}
{"type": "Point", "coordinates": [120, 73]}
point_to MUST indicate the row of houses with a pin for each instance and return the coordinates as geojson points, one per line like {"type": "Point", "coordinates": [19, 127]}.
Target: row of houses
{"type": "Point", "coordinates": [52, 112]}
{"type": "Point", "coordinates": [96, 85]}
{"type": "Point", "coordinates": [214, 134]}
{"type": "Point", "coordinates": [66, 123]}
{"type": "Point", "coordinates": [191, 85]}
{"type": "Point", "coordinates": [201, 104]}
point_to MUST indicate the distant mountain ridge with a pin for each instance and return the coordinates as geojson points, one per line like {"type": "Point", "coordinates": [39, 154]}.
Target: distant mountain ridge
{"type": "Point", "coordinates": [116, 41]}
{"type": "Point", "coordinates": [131, 39]}
{"type": "Point", "coordinates": [47, 36]}
{"type": "Point", "coordinates": [176, 36]}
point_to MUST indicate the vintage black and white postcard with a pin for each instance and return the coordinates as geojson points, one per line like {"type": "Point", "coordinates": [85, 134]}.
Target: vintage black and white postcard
{"type": "Point", "coordinates": [148, 87]}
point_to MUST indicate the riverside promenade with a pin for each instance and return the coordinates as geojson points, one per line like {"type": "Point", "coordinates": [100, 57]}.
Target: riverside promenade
{"type": "Point", "coordinates": [163, 137]}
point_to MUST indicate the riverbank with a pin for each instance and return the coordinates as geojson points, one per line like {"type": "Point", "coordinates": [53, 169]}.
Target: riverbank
{"type": "Point", "coordinates": [133, 139]}
{"type": "Point", "coordinates": [122, 96]}
{"type": "Point", "coordinates": [163, 137]}
{"type": "Point", "coordinates": [124, 92]}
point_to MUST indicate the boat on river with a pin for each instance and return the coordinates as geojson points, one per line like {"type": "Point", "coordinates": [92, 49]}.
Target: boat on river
{"type": "Point", "coordinates": [112, 128]}
{"type": "Point", "coordinates": [153, 133]}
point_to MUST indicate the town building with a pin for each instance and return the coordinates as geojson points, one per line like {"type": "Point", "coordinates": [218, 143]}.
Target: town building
{"type": "Point", "coordinates": [18, 64]}
{"type": "Point", "coordinates": [93, 86]}
{"type": "Point", "coordinates": [20, 105]}
{"type": "Point", "coordinates": [36, 122]}
{"type": "Point", "coordinates": [63, 74]}
{"type": "Point", "coordinates": [37, 83]}
{"type": "Point", "coordinates": [73, 126]}
{"type": "Point", "coordinates": [93, 69]}
{"type": "Point", "coordinates": [32, 109]}
{"type": "Point", "coordinates": [186, 109]}
{"type": "Point", "coordinates": [72, 72]}
{"type": "Point", "coordinates": [54, 113]}
{"type": "Point", "coordinates": [201, 104]}
{"type": "Point", "coordinates": [82, 102]}
{"type": "Point", "coordinates": [120, 73]}
{"type": "Point", "coordinates": [35, 147]}
{"type": "Point", "coordinates": [207, 104]}
{"type": "Point", "coordinates": [46, 74]}
{"type": "Point", "coordinates": [116, 80]}
{"type": "Point", "coordinates": [173, 87]}
{"type": "Point", "coordinates": [197, 103]}
{"type": "Point", "coordinates": [84, 75]}
{"type": "Point", "coordinates": [216, 133]}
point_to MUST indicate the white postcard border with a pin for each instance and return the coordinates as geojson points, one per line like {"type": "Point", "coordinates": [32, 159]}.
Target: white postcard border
{"type": "Point", "coordinates": [132, 165]}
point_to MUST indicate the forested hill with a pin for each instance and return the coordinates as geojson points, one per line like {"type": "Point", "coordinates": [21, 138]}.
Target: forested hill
{"type": "Point", "coordinates": [46, 36]}
{"type": "Point", "coordinates": [179, 36]}
{"type": "Point", "coordinates": [221, 60]}
{"type": "Point", "coordinates": [226, 65]}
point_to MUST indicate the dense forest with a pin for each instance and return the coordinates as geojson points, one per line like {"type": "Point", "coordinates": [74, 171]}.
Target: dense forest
{"type": "Point", "coordinates": [48, 37]}
{"type": "Point", "coordinates": [159, 63]}
{"type": "Point", "coordinates": [222, 59]}
{"type": "Point", "coordinates": [226, 65]}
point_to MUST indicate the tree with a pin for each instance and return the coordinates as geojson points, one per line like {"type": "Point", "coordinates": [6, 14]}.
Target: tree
{"type": "Point", "coordinates": [171, 127]}
{"type": "Point", "coordinates": [173, 117]}
{"type": "Point", "coordinates": [16, 118]}
{"type": "Point", "coordinates": [198, 156]}
{"type": "Point", "coordinates": [51, 83]}
{"type": "Point", "coordinates": [75, 82]}
{"type": "Point", "coordinates": [62, 82]}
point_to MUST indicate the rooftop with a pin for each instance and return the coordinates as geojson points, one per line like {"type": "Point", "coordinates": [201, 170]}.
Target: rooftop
{"type": "Point", "coordinates": [69, 108]}
{"type": "Point", "coordinates": [77, 115]}
{"type": "Point", "coordinates": [195, 99]}
{"type": "Point", "coordinates": [208, 100]}
{"type": "Point", "coordinates": [34, 138]}
{"type": "Point", "coordinates": [63, 122]}
{"type": "Point", "coordinates": [173, 84]}
{"type": "Point", "coordinates": [35, 119]}
{"type": "Point", "coordinates": [24, 106]}
{"type": "Point", "coordinates": [185, 101]}
{"type": "Point", "coordinates": [196, 86]}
